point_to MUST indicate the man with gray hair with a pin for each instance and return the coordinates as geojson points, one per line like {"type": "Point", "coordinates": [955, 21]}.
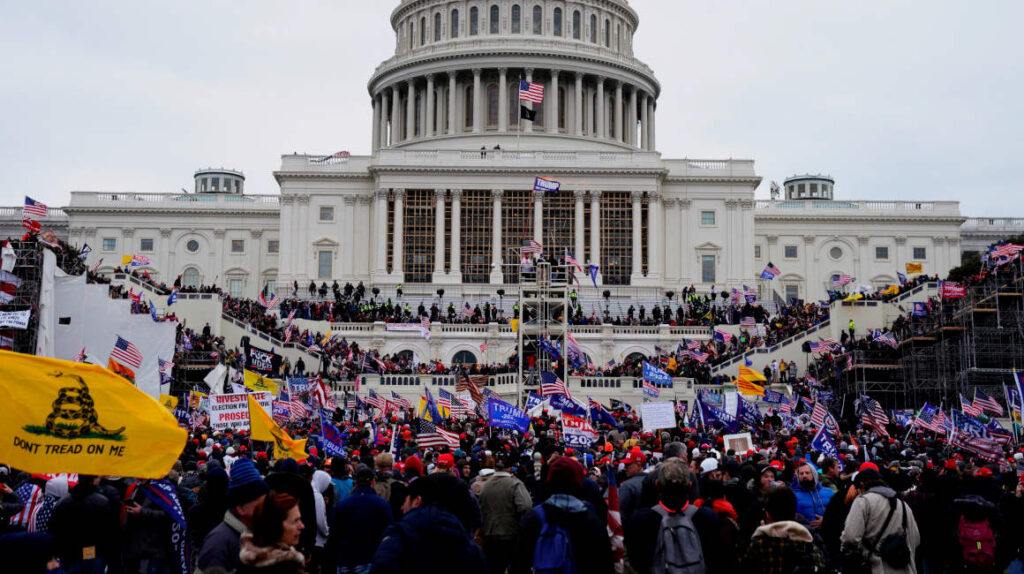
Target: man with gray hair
{"type": "Point", "coordinates": [644, 544]}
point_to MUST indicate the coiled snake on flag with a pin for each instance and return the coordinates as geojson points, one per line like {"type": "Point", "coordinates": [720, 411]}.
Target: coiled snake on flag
{"type": "Point", "coordinates": [74, 414]}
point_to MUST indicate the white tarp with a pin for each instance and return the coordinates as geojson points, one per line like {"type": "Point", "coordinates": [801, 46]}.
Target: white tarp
{"type": "Point", "coordinates": [86, 317]}
{"type": "Point", "coordinates": [44, 336]}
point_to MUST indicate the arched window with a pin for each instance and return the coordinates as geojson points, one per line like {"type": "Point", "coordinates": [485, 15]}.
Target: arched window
{"type": "Point", "coordinates": [418, 115]}
{"type": "Point", "coordinates": [437, 27]}
{"type": "Point", "coordinates": [495, 19]}
{"type": "Point", "coordinates": [618, 36]}
{"type": "Point", "coordinates": [190, 278]}
{"type": "Point", "coordinates": [593, 29]}
{"type": "Point", "coordinates": [469, 107]}
{"type": "Point", "coordinates": [607, 33]}
{"type": "Point", "coordinates": [455, 24]}
{"type": "Point", "coordinates": [513, 103]}
{"type": "Point", "coordinates": [464, 358]}
{"type": "Point", "coordinates": [576, 25]}
{"type": "Point", "coordinates": [411, 37]}
{"type": "Point", "coordinates": [492, 105]}
{"type": "Point", "coordinates": [423, 31]}
{"type": "Point", "coordinates": [538, 20]}
{"type": "Point", "coordinates": [405, 355]}
{"type": "Point", "coordinates": [562, 106]}
{"type": "Point", "coordinates": [635, 358]}
{"type": "Point", "coordinates": [474, 21]}
{"type": "Point", "coordinates": [517, 19]}
{"type": "Point", "coordinates": [557, 21]}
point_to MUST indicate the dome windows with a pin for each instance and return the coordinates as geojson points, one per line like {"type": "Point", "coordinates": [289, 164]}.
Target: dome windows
{"type": "Point", "coordinates": [495, 19]}
{"type": "Point", "coordinates": [576, 25]}
{"type": "Point", "coordinates": [437, 27]}
{"type": "Point", "coordinates": [455, 24]}
{"type": "Point", "coordinates": [474, 21]}
{"type": "Point", "coordinates": [538, 20]}
{"type": "Point", "coordinates": [593, 29]}
{"type": "Point", "coordinates": [558, 22]}
{"type": "Point", "coordinates": [517, 19]}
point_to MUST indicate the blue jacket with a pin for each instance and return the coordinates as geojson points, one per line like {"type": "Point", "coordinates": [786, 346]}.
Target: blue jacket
{"type": "Point", "coordinates": [360, 520]}
{"type": "Point", "coordinates": [414, 544]}
{"type": "Point", "coordinates": [810, 504]}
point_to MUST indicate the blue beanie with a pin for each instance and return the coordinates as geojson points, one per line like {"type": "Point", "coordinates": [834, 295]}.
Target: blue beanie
{"type": "Point", "coordinates": [245, 483]}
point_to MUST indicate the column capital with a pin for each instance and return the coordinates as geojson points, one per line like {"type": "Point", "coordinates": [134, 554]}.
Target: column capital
{"type": "Point", "coordinates": [166, 232]}
{"type": "Point", "coordinates": [367, 199]}
{"type": "Point", "coordinates": [456, 194]}
{"type": "Point", "coordinates": [218, 233]}
{"type": "Point", "coordinates": [555, 72]}
{"type": "Point", "coordinates": [528, 71]}
{"type": "Point", "coordinates": [579, 76]}
{"type": "Point", "coordinates": [685, 203]}
{"type": "Point", "coordinates": [595, 194]}
{"type": "Point", "coordinates": [863, 239]}
{"type": "Point", "coordinates": [669, 202]}
{"type": "Point", "coordinates": [430, 77]}
{"type": "Point", "coordinates": [497, 193]}
{"type": "Point", "coordinates": [477, 72]}
{"type": "Point", "coordinates": [452, 74]}
{"type": "Point", "coordinates": [900, 239]}
{"type": "Point", "coordinates": [303, 199]}
{"type": "Point", "coordinates": [440, 193]}
{"type": "Point", "coordinates": [349, 200]}
{"type": "Point", "coordinates": [636, 195]}
{"type": "Point", "coordinates": [579, 194]}
{"type": "Point", "coordinates": [653, 195]}
{"type": "Point", "coordinates": [503, 71]}
{"type": "Point", "coordinates": [600, 80]}
{"type": "Point", "coordinates": [287, 199]}
{"type": "Point", "coordinates": [809, 239]}
{"type": "Point", "coordinates": [255, 233]}
{"type": "Point", "coordinates": [381, 194]}
{"type": "Point", "coordinates": [747, 204]}
{"type": "Point", "coordinates": [399, 193]}
{"type": "Point", "coordinates": [772, 239]}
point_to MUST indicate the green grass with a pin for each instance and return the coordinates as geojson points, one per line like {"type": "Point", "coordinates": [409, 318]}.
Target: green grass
{"type": "Point", "coordinates": [41, 430]}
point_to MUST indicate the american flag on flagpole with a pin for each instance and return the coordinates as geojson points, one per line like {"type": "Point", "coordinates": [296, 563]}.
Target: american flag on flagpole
{"type": "Point", "coordinates": [552, 385]}
{"type": "Point", "coordinates": [33, 208]}
{"type": "Point", "coordinates": [472, 383]}
{"type": "Point", "coordinates": [968, 408]}
{"type": "Point", "coordinates": [444, 401]}
{"type": "Point", "coordinates": [531, 92]}
{"type": "Point", "coordinates": [747, 322]}
{"type": "Point", "coordinates": [531, 246]}
{"type": "Point", "coordinates": [818, 414]}
{"type": "Point", "coordinates": [483, 346]}
{"type": "Point", "coordinates": [126, 352]}
{"type": "Point", "coordinates": [570, 260]}
{"type": "Point", "coordinates": [841, 279]}
{"type": "Point", "coordinates": [459, 408]}
{"type": "Point", "coordinates": [873, 415]}
{"type": "Point", "coordinates": [400, 401]}
{"type": "Point", "coordinates": [987, 403]}
{"type": "Point", "coordinates": [430, 435]}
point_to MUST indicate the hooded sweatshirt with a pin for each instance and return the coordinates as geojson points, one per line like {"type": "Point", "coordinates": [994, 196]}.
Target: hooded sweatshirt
{"type": "Point", "coordinates": [811, 503]}
{"type": "Point", "coordinates": [321, 480]}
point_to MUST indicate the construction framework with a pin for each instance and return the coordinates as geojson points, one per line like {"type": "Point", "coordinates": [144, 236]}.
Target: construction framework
{"type": "Point", "coordinates": [28, 268]}
{"type": "Point", "coordinates": [543, 314]}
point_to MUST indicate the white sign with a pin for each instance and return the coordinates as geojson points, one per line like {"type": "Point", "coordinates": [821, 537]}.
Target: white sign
{"type": "Point", "coordinates": [661, 415]}
{"type": "Point", "coordinates": [14, 319]}
{"type": "Point", "coordinates": [232, 411]}
{"type": "Point", "coordinates": [738, 443]}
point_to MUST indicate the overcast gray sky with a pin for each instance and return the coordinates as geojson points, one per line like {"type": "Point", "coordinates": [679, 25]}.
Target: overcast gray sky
{"type": "Point", "coordinates": [907, 100]}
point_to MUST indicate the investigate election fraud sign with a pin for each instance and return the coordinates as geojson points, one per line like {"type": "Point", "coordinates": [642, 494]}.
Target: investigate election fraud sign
{"type": "Point", "coordinates": [67, 417]}
{"type": "Point", "coordinates": [231, 411]}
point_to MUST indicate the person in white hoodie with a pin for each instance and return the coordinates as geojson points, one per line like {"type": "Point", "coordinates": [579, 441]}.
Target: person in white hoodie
{"type": "Point", "coordinates": [321, 481]}
{"type": "Point", "coordinates": [781, 544]}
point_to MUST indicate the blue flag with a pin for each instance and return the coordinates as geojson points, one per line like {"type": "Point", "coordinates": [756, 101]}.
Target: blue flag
{"type": "Point", "coordinates": [920, 309]}
{"type": "Point", "coordinates": [902, 278]}
{"type": "Point", "coordinates": [533, 400]}
{"type": "Point", "coordinates": [331, 439]}
{"type": "Point", "coordinates": [567, 405]}
{"type": "Point", "coordinates": [824, 444]}
{"type": "Point", "coordinates": [593, 274]}
{"type": "Point", "coordinates": [713, 414]}
{"type": "Point", "coordinates": [598, 414]}
{"type": "Point", "coordinates": [152, 312]}
{"type": "Point", "coordinates": [657, 376]}
{"type": "Point", "coordinates": [173, 297]}
{"type": "Point", "coordinates": [507, 416]}
{"type": "Point", "coordinates": [165, 495]}
{"type": "Point", "coordinates": [298, 384]}
{"type": "Point", "coordinates": [545, 345]}
{"type": "Point", "coordinates": [771, 396]}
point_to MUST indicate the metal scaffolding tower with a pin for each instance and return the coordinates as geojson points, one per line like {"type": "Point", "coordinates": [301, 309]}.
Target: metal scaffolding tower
{"type": "Point", "coordinates": [543, 314]}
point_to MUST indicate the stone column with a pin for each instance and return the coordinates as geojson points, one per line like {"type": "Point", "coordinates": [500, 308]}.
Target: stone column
{"type": "Point", "coordinates": [456, 271]}
{"type": "Point", "coordinates": [528, 126]}
{"type": "Point", "coordinates": [652, 141]}
{"type": "Point", "coordinates": [410, 111]}
{"type": "Point", "coordinates": [645, 125]}
{"type": "Point", "coordinates": [637, 196]}
{"type": "Point", "coordinates": [385, 109]}
{"type": "Point", "coordinates": [631, 119]}
{"type": "Point", "coordinates": [579, 195]}
{"type": "Point", "coordinates": [806, 254]}
{"type": "Point", "coordinates": [552, 116]}
{"type": "Point", "coordinates": [497, 274]}
{"type": "Point", "coordinates": [595, 228]}
{"type": "Point", "coordinates": [538, 216]}
{"type": "Point", "coordinates": [452, 92]}
{"type": "Point", "coordinates": [428, 117]}
{"type": "Point", "coordinates": [602, 122]}
{"type": "Point", "coordinates": [375, 145]}
{"type": "Point", "coordinates": [439, 234]}
{"type": "Point", "coordinates": [502, 100]}
{"type": "Point", "coordinates": [398, 249]}
{"type": "Point", "coordinates": [348, 264]}
{"type": "Point", "coordinates": [655, 236]}
{"type": "Point", "coordinates": [673, 241]}
{"type": "Point", "coordinates": [578, 100]}
{"type": "Point", "coordinates": [618, 123]}
{"type": "Point", "coordinates": [687, 260]}
{"type": "Point", "coordinates": [396, 114]}
{"type": "Point", "coordinates": [380, 233]}
{"type": "Point", "coordinates": [477, 99]}
{"type": "Point", "coordinates": [588, 123]}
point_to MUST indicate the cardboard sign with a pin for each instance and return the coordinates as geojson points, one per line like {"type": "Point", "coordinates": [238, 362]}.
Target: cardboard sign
{"type": "Point", "coordinates": [739, 443]}
{"type": "Point", "coordinates": [660, 415]}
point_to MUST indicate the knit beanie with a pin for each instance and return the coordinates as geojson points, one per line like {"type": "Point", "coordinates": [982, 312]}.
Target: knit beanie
{"type": "Point", "coordinates": [245, 483]}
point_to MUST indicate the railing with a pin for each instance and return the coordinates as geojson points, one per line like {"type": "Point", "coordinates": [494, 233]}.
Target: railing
{"type": "Point", "coordinates": [993, 224]}
{"type": "Point", "coordinates": [770, 349]}
{"type": "Point", "coordinates": [639, 159]}
{"type": "Point", "coordinates": [939, 207]}
{"type": "Point", "coordinates": [687, 167]}
{"type": "Point", "coordinates": [664, 331]}
{"type": "Point", "coordinates": [176, 200]}
{"type": "Point", "coordinates": [16, 212]}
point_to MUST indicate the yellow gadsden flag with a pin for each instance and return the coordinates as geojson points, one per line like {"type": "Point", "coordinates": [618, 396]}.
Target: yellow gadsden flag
{"type": "Point", "coordinates": [264, 428]}
{"type": "Point", "coordinates": [170, 402]}
{"type": "Point", "coordinates": [62, 416]}
{"type": "Point", "coordinates": [258, 382]}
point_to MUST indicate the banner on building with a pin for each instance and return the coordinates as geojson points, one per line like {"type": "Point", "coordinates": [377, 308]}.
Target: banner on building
{"type": "Point", "coordinates": [15, 319]}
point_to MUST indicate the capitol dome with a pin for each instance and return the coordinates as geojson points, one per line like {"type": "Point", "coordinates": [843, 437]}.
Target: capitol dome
{"type": "Point", "coordinates": [456, 70]}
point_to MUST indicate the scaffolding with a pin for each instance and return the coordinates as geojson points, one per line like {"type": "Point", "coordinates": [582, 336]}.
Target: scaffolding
{"type": "Point", "coordinates": [28, 268]}
{"type": "Point", "coordinates": [543, 314]}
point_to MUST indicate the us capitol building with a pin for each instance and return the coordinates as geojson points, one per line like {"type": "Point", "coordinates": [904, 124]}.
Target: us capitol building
{"type": "Point", "coordinates": [445, 198]}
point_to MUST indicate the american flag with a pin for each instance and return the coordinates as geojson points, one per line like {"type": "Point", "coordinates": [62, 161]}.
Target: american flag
{"type": "Point", "coordinates": [615, 521]}
{"type": "Point", "coordinates": [32, 497]}
{"type": "Point", "coordinates": [697, 356]}
{"type": "Point", "coordinates": [1005, 250]}
{"type": "Point", "coordinates": [299, 410]}
{"type": "Point", "coordinates": [785, 406]}
{"type": "Point", "coordinates": [985, 448]}
{"type": "Point", "coordinates": [930, 418]}
{"type": "Point", "coordinates": [831, 343]}
{"type": "Point", "coordinates": [127, 353]}
{"type": "Point", "coordinates": [374, 400]}
{"type": "Point", "coordinates": [430, 435]}
{"type": "Point", "coordinates": [873, 415]}
{"type": "Point", "coordinates": [272, 302]}
{"type": "Point", "coordinates": [968, 408]}
{"type": "Point", "coordinates": [467, 310]}
{"type": "Point", "coordinates": [81, 355]}
{"type": "Point", "coordinates": [570, 260]}
{"type": "Point", "coordinates": [162, 365]}
{"type": "Point", "coordinates": [444, 401]}
{"type": "Point", "coordinates": [818, 414]}
{"type": "Point", "coordinates": [692, 345]}
{"type": "Point", "coordinates": [473, 384]}
{"type": "Point", "coordinates": [531, 92]}
{"type": "Point", "coordinates": [483, 346]}
{"type": "Point", "coordinates": [319, 390]}
{"type": "Point", "coordinates": [886, 339]}
{"type": "Point", "coordinates": [725, 336]}
{"type": "Point", "coordinates": [402, 402]}
{"type": "Point", "coordinates": [552, 385]}
{"type": "Point", "coordinates": [747, 322]}
{"type": "Point", "coordinates": [135, 297]}
{"type": "Point", "coordinates": [531, 246]}
{"type": "Point", "coordinates": [841, 279]}
{"type": "Point", "coordinates": [771, 269]}
{"type": "Point", "coordinates": [459, 408]}
{"type": "Point", "coordinates": [986, 403]}
{"type": "Point", "coordinates": [33, 208]}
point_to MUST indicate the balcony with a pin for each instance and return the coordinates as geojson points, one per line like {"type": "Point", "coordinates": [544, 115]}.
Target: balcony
{"type": "Point", "coordinates": [93, 200]}
{"type": "Point", "coordinates": [818, 207]}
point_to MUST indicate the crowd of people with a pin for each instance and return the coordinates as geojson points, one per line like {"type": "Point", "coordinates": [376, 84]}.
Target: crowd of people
{"type": "Point", "coordinates": [502, 500]}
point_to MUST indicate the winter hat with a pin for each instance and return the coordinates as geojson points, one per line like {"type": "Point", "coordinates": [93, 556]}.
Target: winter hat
{"type": "Point", "coordinates": [565, 475]}
{"type": "Point", "coordinates": [868, 465]}
{"type": "Point", "coordinates": [245, 483]}
{"type": "Point", "coordinates": [414, 464]}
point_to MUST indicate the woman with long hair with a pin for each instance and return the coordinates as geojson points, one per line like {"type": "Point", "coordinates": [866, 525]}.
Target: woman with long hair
{"type": "Point", "coordinates": [270, 548]}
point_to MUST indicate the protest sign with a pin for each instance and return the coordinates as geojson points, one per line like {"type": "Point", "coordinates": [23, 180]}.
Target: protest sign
{"type": "Point", "coordinates": [231, 411]}
{"type": "Point", "coordinates": [660, 415]}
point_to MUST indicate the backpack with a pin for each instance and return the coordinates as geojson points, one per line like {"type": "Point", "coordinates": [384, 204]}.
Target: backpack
{"type": "Point", "coordinates": [893, 549]}
{"type": "Point", "coordinates": [978, 544]}
{"type": "Point", "coordinates": [678, 549]}
{"type": "Point", "coordinates": [553, 552]}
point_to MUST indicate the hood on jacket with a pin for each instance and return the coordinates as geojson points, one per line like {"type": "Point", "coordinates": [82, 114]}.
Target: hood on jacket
{"type": "Point", "coordinates": [566, 503]}
{"type": "Point", "coordinates": [788, 529]}
{"type": "Point", "coordinates": [321, 480]}
{"type": "Point", "coordinates": [884, 491]}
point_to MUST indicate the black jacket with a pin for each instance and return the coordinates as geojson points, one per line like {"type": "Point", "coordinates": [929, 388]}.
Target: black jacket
{"type": "Point", "coordinates": [422, 533]}
{"type": "Point", "coordinates": [588, 534]}
{"type": "Point", "coordinates": [641, 536]}
{"type": "Point", "coordinates": [85, 519]}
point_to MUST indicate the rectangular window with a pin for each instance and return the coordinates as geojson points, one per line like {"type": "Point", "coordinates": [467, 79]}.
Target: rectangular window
{"type": "Point", "coordinates": [109, 244]}
{"type": "Point", "coordinates": [517, 226]}
{"type": "Point", "coordinates": [326, 213]}
{"type": "Point", "coordinates": [707, 268]}
{"type": "Point", "coordinates": [792, 293]}
{"type": "Point", "coordinates": [920, 253]}
{"type": "Point", "coordinates": [271, 286]}
{"type": "Point", "coordinates": [616, 220]}
{"type": "Point", "coordinates": [559, 228]}
{"type": "Point", "coordinates": [323, 264]}
{"type": "Point", "coordinates": [882, 253]}
{"type": "Point", "coordinates": [419, 235]}
{"type": "Point", "coordinates": [216, 183]}
{"type": "Point", "coordinates": [238, 246]}
{"type": "Point", "coordinates": [707, 218]}
{"type": "Point", "coordinates": [790, 252]}
{"type": "Point", "coordinates": [235, 287]}
{"type": "Point", "coordinates": [757, 252]}
{"type": "Point", "coordinates": [477, 226]}
{"type": "Point", "coordinates": [146, 244]}
{"type": "Point", "coordinates": [273, 246]}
